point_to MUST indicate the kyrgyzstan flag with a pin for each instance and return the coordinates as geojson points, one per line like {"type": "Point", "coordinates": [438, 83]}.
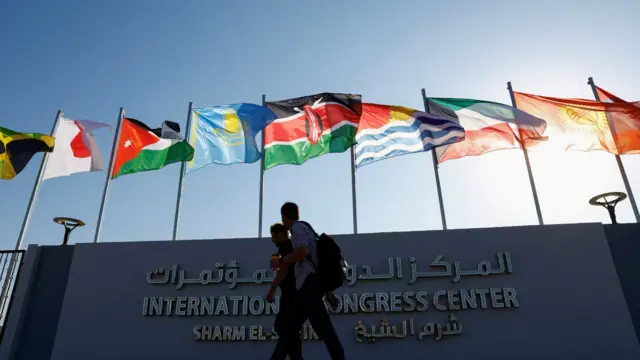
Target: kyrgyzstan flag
{"type": "Point", "coordinates": [606, 96]}
{"type": "Point", "coordinates": [76, 149]}
{"type": "Point", "coordinates": [585, 125]}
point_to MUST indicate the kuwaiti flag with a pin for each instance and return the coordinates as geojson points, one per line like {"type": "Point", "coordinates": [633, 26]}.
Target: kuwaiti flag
{"type": "Point", "coordinates": [386, 131]}
{"type": "Point", "coordinates": [76, 149]}
{"type": "Point", "coordinates": [489, 126]}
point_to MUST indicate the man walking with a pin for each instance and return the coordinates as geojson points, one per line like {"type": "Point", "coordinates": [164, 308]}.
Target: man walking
{"type": "Point", "coordinates": [286, 281]}
{"type": "Point", "coordinates": [308, 301]}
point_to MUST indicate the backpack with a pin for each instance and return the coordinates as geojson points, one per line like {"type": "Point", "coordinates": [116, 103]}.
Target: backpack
{"type": "Point", "coordinates": [332, 266]}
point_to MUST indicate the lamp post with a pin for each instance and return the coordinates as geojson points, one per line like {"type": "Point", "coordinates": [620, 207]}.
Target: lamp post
{"type": "Point", "coordinates": [69, 224]}
{"type": "Point", "coordinates": [610, 204]}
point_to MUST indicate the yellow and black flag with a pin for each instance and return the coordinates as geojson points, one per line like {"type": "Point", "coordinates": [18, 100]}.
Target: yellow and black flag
{"type": "Point", "coordinates": [16, 149]}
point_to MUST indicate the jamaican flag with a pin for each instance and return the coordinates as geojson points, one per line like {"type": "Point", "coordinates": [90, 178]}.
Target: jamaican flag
{"type": "Point", "coordinates": [16, 149]}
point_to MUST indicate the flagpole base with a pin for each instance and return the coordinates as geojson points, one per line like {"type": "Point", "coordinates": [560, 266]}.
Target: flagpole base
{"type": "Point", "coordinates": [69, 224]}
{"type": "Point", "coordinates": [610, 204]}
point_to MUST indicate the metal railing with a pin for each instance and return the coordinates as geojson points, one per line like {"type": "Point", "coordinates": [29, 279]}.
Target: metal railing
{"type": "Point", "coordinates": [10, 265]}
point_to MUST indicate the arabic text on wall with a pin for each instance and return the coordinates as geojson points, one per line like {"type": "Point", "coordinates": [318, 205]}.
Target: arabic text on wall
{"type": "Point", "coordinates": [441, 300]}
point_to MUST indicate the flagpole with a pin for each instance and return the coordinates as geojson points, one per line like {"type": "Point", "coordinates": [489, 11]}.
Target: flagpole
{"type": "Point", "coordinates": [36, 187]}
{"type": "Point", "coordinates": [260, 203]}
{"type": "Point", "coordinates": [27, 215]}
{"type": "Point", "coordinates": [353, 191]}
{"type": "Point", "coordinates": [107, 182]}
{"type": "Point", "coordinates": [623, 173]}
{"type": "Point", "coordinates": [525, 152]}
{"type": "Point", "coordinates": [183, 166]}
{"type": "Point", "coordinates": [436, 172]}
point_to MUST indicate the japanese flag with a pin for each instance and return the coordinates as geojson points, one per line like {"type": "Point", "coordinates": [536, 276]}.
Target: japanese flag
{"type": "Point", "coordinates": [75, 150]}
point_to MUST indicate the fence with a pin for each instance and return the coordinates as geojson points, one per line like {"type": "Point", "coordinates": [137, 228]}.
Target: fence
{"type": "Point", "coordinates": [10, 265]}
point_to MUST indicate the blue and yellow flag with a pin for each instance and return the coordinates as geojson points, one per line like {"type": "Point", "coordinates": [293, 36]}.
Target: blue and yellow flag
{"type": "Point", "coordinates": [226, 134]}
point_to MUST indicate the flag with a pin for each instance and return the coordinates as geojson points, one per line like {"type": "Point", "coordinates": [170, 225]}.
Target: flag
{"type": "Point", "coordinates": [226, 134]}
{"type": "Point", "coordinates": [386, 131]}
{"type": "Point", "coordinates": [585, 125]}
{"type": "Point", "coordinates": [76, 149]}
{"type": "Point", "coordinates": [489, 126]}
{"type": "Point", "coordinates": [141, 148]}
{"type": "Point", "coordinates": [606, 96]}
{"type": "Point", "coordinates": [16, 149]}
{"type": "Point", "coordinates": [310, 126]}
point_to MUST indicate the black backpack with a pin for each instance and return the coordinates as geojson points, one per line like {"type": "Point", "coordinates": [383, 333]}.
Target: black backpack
{"type": "Point", "coordinates": [331, 267]}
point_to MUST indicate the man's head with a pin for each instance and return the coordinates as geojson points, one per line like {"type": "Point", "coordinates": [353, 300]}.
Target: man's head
{"type": "Point", "coordinates": [290, 213]}
{"type": "Point", "coordinates": [278, 233]}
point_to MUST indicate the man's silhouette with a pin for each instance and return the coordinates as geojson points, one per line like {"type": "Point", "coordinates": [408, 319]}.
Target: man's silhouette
{"type": "Point", "coordinates": [308, 302]}
{"type": "Point", "coordinates": [286, 281]}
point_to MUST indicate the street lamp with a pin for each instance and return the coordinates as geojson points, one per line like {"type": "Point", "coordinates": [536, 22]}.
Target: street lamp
{"type": "Point", "coordinates": [609, 204]}
{"type": "Point", "coordinates": [69, 224]}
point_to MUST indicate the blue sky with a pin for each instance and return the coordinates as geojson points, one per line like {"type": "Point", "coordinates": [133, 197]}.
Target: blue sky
{"type": "Point", "coordinates": [88, 58]}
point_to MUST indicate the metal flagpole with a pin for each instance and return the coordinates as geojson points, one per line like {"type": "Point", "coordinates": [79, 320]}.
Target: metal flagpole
{"type": "Point", "coordinates": [623, 173]}
{"type": "Point", "coordinates": [260, 203]}
{"type": "Point", "coordinates": [527, 163]}
{"type": "Point", "coordinates": [353, 190]}
{"type": "Point", "coordinates": [27, 215]}
{"type": "Point", "coordinates": [36, 187]}
{"type": "Point", "coordinates": [183, 166]}
{"type": "Point", "coordinates": [435, 169]}
{"type": "Point", "coordinates": [107, 182]}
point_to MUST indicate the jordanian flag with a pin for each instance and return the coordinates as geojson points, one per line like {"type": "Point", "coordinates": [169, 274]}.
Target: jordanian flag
{"type": "Point", "coordinates": [310, 126]}
{"type": "Point", "coordinates": [141, 148]}
{"type": "Point", "coordinates": [488, 126]}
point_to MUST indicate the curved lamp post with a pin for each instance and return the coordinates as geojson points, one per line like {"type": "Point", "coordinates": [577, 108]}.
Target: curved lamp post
{"type": "Point", "coordinates": [610, 204]}
{"type": "Point", "coordinates": [69, 224]}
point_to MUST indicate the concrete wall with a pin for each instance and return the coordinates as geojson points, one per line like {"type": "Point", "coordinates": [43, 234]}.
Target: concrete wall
{"type": "Point", "coordinates": [624, 242]}
{"type": "Point", "coordinates": [38, 301]}
{"type": "Point", "coordinates": [556, 295]}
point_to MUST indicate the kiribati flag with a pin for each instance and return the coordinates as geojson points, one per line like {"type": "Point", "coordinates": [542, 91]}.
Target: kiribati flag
{"type": "Point", "coordinates": [386, 131]}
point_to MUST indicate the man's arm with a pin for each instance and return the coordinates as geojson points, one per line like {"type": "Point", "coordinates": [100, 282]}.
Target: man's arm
{"type": "Point", "coordinates": [280, 275]}
{"type": "Point", "coordinates": [298, 254]}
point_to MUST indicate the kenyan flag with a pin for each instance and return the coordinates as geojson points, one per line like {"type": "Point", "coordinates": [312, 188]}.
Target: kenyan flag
{"type": "Point", "coordinates": [310, 126]}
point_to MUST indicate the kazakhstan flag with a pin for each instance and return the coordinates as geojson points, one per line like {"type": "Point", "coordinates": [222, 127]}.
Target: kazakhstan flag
{"type": "Point", "coordinates": [226, 134]}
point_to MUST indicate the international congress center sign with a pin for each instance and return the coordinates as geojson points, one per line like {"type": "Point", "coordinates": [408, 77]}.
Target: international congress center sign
{"type": "Point", "coordinates": [510, 293]}
{"type": "Point", "coordinates": [412, 298]}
